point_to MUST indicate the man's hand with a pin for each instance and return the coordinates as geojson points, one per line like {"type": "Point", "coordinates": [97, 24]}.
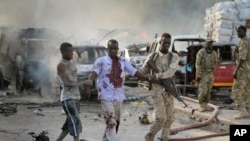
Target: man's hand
{"type": "Point", "coordinates": [88, 82]}
{"type": "Point", "coordinates": [87, 92]}
{"type": "Point", "coordinates": [151, 77]}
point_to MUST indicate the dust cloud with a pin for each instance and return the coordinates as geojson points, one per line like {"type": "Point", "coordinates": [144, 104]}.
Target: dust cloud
{"type": "Point", "coordinates": [90, 20]}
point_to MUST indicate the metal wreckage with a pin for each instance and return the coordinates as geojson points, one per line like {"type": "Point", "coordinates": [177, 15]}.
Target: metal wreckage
{"type": "Point", "coordinates": [25, 57]}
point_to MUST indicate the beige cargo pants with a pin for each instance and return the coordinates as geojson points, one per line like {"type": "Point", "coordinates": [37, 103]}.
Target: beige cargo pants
{"type": "Point", "coordinates": [205, 87]}
{"type": "Point", "coordinates": [164, 111]}
{"type": "Point", "coordinates": [241, 89]}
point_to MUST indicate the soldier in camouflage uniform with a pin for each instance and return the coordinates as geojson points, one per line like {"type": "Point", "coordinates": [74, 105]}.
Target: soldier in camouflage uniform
{"type": "Point", "coordinates": [206, 60]}
{"type": "Point", "coordinates": [163, 101]}
{"type": "Point", "coordinates": [240, 88]}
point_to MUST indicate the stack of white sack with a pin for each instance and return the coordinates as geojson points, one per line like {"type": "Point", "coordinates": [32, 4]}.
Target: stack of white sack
{"type": "Point", "coordinates": [222, 19]}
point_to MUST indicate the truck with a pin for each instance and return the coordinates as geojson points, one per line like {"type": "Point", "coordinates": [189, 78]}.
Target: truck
{"type": "Point", "coordinates": [179, 44]}
{"type": "Point", "coordinates": [136, 54]}
{"type": "Point", "coordinates": [85, 56]}
{"type": "Point", "coordinates": [187, 46]}
{"type": "Point", "coordinates": [223, 74]}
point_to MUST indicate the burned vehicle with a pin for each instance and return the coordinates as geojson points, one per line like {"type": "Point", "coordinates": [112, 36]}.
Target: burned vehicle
{"type": "Point", "coordinates": [30, 51]}
{"type": "Point", "coordinates": [85, 56]}
{"type": "Point", "coordinates": [35, 69]}
{"type": "Point", "coordinates": [136, 54]}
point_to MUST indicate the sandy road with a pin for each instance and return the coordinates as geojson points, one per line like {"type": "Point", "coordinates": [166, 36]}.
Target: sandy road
{"type": "Point", "coordinates": [16, 126]}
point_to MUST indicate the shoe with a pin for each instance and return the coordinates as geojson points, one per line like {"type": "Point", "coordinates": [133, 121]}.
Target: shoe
{"type": "Point", "coordinates": [149, 137]}
{"type": "Point", "coordinates": [202, 108]}
{"type": "Point", "coordinates": [165, 134]}
{"type": "Point", "coordinates": [207, 108]}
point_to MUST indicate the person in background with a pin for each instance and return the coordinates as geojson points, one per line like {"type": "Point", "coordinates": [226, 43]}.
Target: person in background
{"type": "Point", "coordinates": [109, 71]}
{"type": "Point", "coordinates": [167, 63]}
{"type": "Point", "coordinates": [206, 61]}
{"type": "Point", "coordinates": [70, 94]}
{"type": "Point", "coordinates": [240, 88]}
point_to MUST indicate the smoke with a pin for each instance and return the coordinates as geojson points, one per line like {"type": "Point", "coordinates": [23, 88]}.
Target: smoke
{"type": "Point", "coordinates": [90, 20]}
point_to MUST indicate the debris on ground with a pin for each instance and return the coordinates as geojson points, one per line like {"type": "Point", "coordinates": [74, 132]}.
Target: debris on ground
{"type": "Point", "coordinates": [8, 107]}
{"type": "Point", "coordinates": [38, 112]}
{"type": "Point", "coordinates": [144, 119]}
{"type": "Point", "coordinates": [40, 137]}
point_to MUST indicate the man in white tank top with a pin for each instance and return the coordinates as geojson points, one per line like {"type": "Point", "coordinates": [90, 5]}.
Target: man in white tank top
{"type": "Point", "coordinates": [70, 95]}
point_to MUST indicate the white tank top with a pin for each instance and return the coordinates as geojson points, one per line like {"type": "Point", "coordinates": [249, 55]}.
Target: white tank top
{"type": "Point", "coordinates": [71, 92]}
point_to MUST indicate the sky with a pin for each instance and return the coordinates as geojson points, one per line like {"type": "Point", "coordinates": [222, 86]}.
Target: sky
{"type": "Point", "coordinates": [91, 20]}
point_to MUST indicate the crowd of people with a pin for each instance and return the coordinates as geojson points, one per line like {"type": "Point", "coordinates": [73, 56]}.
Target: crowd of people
{"type": "Point", "coordinates": [109, 72]}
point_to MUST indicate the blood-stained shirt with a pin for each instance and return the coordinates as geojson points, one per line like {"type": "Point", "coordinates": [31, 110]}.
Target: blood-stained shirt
{"type": "Point", "coordinates": [111, 73]}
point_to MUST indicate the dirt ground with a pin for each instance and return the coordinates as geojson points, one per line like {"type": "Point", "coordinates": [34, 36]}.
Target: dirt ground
{"type": "Point", "coordinates": [16, 126]}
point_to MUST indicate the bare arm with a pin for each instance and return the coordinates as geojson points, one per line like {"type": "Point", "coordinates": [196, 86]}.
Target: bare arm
{"type": "Point", "coordinates": [141, 76]}
{"type": "Point", "coordinates": [61, 71]}
{"type": "Point", "coordinates": [93, 76]}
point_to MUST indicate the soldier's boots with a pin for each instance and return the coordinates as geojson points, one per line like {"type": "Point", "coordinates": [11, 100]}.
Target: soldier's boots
{"type": "Point", "coordinates": [203, 107]}
{"type": "Point", "coordinates": [207, 108]}
{"type": "Point", "coordinates": [243, 114]}
{"type": "Point", "coordinates": [165, 134]}
{"type": "Point", "coordinates": [149, 137]}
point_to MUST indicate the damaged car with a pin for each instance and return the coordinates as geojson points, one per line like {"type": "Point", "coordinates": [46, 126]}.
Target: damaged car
{"type": "Point", "coordinates": [85, 56]}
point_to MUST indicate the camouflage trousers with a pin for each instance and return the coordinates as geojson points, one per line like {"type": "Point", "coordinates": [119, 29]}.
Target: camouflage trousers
{"type": "Point", "coordinates": [241, 89]}
{"type": "Point", "coordinates": [205, 86]}
{"type": "Point", "coordinates": [164, 111]}
{"type": "Point", "coordinates": [112, 112]}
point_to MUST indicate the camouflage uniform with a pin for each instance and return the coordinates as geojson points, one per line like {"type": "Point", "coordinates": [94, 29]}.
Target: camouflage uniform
{"type": "Point", "coordinates": [240, 88]}
{"type": "Point", "coordinates": [205, 65]}
{"type": "Point", "coordinates": [163, 101]}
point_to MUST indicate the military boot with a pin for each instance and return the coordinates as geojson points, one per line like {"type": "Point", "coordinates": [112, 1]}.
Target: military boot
{"type": "Point", "coordinates": [207, 108]}
{"type": "Point", "coordinates": [243, 114]}
{"type": "Point", "coordinates": [202, 107]}
{"type": "Point", "coordinates": [165, 134]}
{"type": "Point", "coordinates": [149, 137]}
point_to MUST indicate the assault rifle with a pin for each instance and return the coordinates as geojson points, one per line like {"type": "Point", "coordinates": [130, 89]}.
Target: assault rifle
{"type": "Point", "coordinates": [167, 83]}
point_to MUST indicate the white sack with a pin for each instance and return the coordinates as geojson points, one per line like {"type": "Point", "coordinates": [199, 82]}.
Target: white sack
{"type": "Point", "coordinates": [224, 31]}
{"type": "Point", "coordinates": [242, 4]}
{"type": "Point", "coordinates": [222, 38]}
{"type": "Point", "coordinates": [227, 14]}
{"type": "Point", "coordinates": [244, 14]}
{"type": "Point", "coordinates": [224, 23]}
{"type": "Point", "coordinates": [224, 5]}
{"type": "Point", "coordinates": [238, 22]}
